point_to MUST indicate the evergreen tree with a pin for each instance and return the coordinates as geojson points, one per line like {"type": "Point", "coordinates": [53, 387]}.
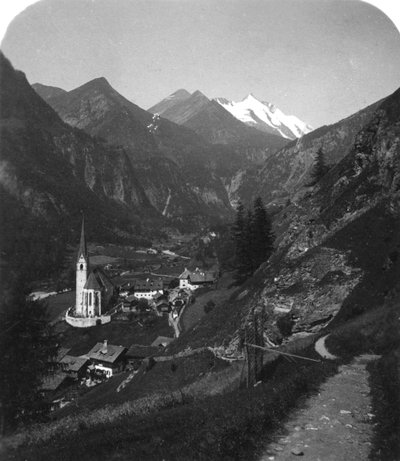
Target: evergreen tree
{"type": "Point", "coordinates": [240, 234]}
{"type": "Point", "coordinates": [253, 238]}
{"type": "Point", "coordinates": [262, 237]}
{"type": "Point", "coordinates": [319, 169]}
{"type": "Point", "coordinates": [28, 347]}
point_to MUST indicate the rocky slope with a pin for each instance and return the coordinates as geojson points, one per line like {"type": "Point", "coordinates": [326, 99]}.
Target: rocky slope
{"type": "Point", "coordinates": [49, 166]}
{"type": "Point", "coordinates": [50, 173]}
{"type": "Point", "coordinates": [168, 160]}
{"type": "Point", "coordinates": [337, 246]}
{"type": "Point", "coordinates": [287, 171]}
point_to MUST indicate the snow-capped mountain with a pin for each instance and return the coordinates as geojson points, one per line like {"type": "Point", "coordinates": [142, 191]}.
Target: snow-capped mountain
{"type": "Point", "coordinates": [266, 117]}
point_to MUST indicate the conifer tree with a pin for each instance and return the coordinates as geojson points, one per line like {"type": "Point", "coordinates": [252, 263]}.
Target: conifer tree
{"type": "Point", "coordinates": [241, 240]}
{"type": "Point", "coordinates": [262, 237]}
{"type": "Point", "coordinates": [253, 238]}
{"type": "Point", "coordinates": [319, 169]}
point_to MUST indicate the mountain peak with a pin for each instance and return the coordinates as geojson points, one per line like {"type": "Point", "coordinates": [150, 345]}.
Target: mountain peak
{"type": "Point", "coordinates": [198, 94]}
{"type": "Point", "coordinates": [100, 83]}
{"type": "Point", "coordinates": [250, 97]}
{"type": "Point", "coordinates": [265, 116]}
{"type": "Point", "coordinates": [181, 93]}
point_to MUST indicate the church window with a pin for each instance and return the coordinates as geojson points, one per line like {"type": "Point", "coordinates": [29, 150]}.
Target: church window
{"type": "Point", "coordinates": [90, 299]}
{"type": "Point", "coordinates": [81, 267]}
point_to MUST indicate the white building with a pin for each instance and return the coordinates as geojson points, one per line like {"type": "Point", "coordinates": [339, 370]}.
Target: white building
{"type": "Point", "coordinates": [93, 291]}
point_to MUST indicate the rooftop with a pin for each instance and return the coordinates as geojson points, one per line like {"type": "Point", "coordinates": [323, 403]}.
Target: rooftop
{"type": "Point", "coordinates": [106, 353]}
{"type": "Point", "coordinates": [148, 285]}
{"type": "Point", "coordinates": [162, 341]}
{"type": "Point", "coordinates": [98, 280]}
{"type": "Point", "coordinates": [74, 363]}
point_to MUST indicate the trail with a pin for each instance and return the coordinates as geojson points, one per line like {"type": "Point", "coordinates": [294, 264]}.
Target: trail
{"type": "Point", "coordinates": [334, 425]}
{"type": "Point", "coordinates": [322, 350]}
{"type": "Point", "coordinates": [167, 203]}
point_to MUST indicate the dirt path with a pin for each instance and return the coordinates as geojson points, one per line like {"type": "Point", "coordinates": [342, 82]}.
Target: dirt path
{"type": "Point", "coordinates": [335, 424]}
{"type": "Point", "coordinates": [322, 350]}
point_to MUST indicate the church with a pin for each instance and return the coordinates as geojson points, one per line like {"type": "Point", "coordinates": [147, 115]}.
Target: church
{"type": "Point", "coordinates": [94, 291]}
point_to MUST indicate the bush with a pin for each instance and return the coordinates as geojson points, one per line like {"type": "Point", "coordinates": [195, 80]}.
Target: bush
{"type": "Point", "coordinates": [285, 324]}
{"type": "Point", "coordinates": [209, 306]}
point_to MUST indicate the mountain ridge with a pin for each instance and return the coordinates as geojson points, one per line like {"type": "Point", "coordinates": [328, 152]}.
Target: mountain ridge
{"type": "Point", "coordinates": [265, 117]}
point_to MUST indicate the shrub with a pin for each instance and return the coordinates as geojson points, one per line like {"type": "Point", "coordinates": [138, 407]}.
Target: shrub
{"type": "Point", "coordinates": [209, 306]}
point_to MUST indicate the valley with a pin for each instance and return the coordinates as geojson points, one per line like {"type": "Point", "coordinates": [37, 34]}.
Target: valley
{"type": "Point", "coordinates": [208, 278]}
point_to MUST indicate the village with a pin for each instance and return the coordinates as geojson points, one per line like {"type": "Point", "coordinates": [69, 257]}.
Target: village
{"type": "Point", "coordinates": [122, 318]}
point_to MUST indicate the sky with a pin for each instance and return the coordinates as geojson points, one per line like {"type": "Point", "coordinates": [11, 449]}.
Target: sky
{"type": "Point", "coordinates": [320, 60]}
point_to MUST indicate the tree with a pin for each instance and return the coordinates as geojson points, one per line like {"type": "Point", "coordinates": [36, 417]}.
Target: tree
{"type": "Point", "coordinates": [241, 236]}
{"type": "Point", "coordinates": [28, 349]}
{"type": "Point", "coordinates": [319, 168]}
{"type": "Point", "coordinates": [253, 237]}
{"type": "Point", "coordinates": [261, 235]}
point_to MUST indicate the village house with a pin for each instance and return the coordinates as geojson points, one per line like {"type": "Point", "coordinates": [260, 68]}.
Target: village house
{"type": "Point", "coordinates": [148, 288]}
{"type": "Point", "coordinates": [197, 278]}
{"type": "Point", "coordinates": [107, 358]}
{"type": "Point", "coordinates": [74, 367]}
{"type": "Point", "coordinates": [161, 303]}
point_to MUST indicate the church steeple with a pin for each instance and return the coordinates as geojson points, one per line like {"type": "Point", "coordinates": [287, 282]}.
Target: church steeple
{"type": "Point", "coordinates": [82, 246]}
{"type": "Point", "coordinates": [82, 270]}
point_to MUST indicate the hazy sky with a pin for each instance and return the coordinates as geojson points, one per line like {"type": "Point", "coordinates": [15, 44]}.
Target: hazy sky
{"type": "Point", "coordinates": [318, 59]}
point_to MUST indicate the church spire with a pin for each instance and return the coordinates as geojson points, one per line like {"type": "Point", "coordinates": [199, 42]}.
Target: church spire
{"type": "Point", "coordinates": [82, 246]}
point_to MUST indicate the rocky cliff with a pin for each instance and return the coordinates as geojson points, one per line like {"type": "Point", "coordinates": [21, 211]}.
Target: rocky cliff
{"type": "Point", "coordinates": [287, 171]}
{"type": "Point", "coordinates": [338, 244]}
{"type": "Point", "coordinates": [171, 162]}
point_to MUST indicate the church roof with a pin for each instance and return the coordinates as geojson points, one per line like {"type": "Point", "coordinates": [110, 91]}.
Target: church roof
{"type": "Point", "coordinates": [92, 283]}
{"type": "Point", "coordinates": [82, 245]}
{"type": "Point", "coordinates": [98, 280]}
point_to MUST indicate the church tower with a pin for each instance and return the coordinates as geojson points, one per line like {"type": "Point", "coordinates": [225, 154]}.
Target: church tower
{"type": "Point", "coordinates": [82, 269]}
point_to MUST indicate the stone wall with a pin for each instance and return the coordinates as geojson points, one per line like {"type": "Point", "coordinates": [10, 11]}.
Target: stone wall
{"type": "Point", "coordinates": [86, 322]}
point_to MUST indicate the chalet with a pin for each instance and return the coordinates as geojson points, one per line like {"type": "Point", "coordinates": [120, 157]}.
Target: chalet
{"type": "Point", "coordinates": [148, 288]}
{"type": "Point", "coordinates": [107, 358]}
{"type": "Point", "coordinates": [161, 303]}
{"type": "Point", "coordinates": [197, 278]}
{"type": "Point", "coordinates": [74, 367]}
{"type": "Point", "coordinates": [130, 304]}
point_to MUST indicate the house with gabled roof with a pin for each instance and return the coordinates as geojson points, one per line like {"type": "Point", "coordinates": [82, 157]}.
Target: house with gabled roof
{"type": "Point", "coordinates": [74, 367]}
{"type": "Point", "coordinates": [107, 358]}
{"type": "Point", "coordinates": [148, 288]}
{"type": "Point", "coordinates": [197, 278]}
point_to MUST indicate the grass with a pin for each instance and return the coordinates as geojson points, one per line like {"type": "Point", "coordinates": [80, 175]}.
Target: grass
{"type": "Point", "coordinates": [162, 378]}
{"type": "Point", "coordinates": [59, 303]}
{"type": "Point", "coordinates": [377, 331]}
{"type": "Point", "coordinates": [195, 312]}
{"type": "Point", "coordinates": [228, 426]}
